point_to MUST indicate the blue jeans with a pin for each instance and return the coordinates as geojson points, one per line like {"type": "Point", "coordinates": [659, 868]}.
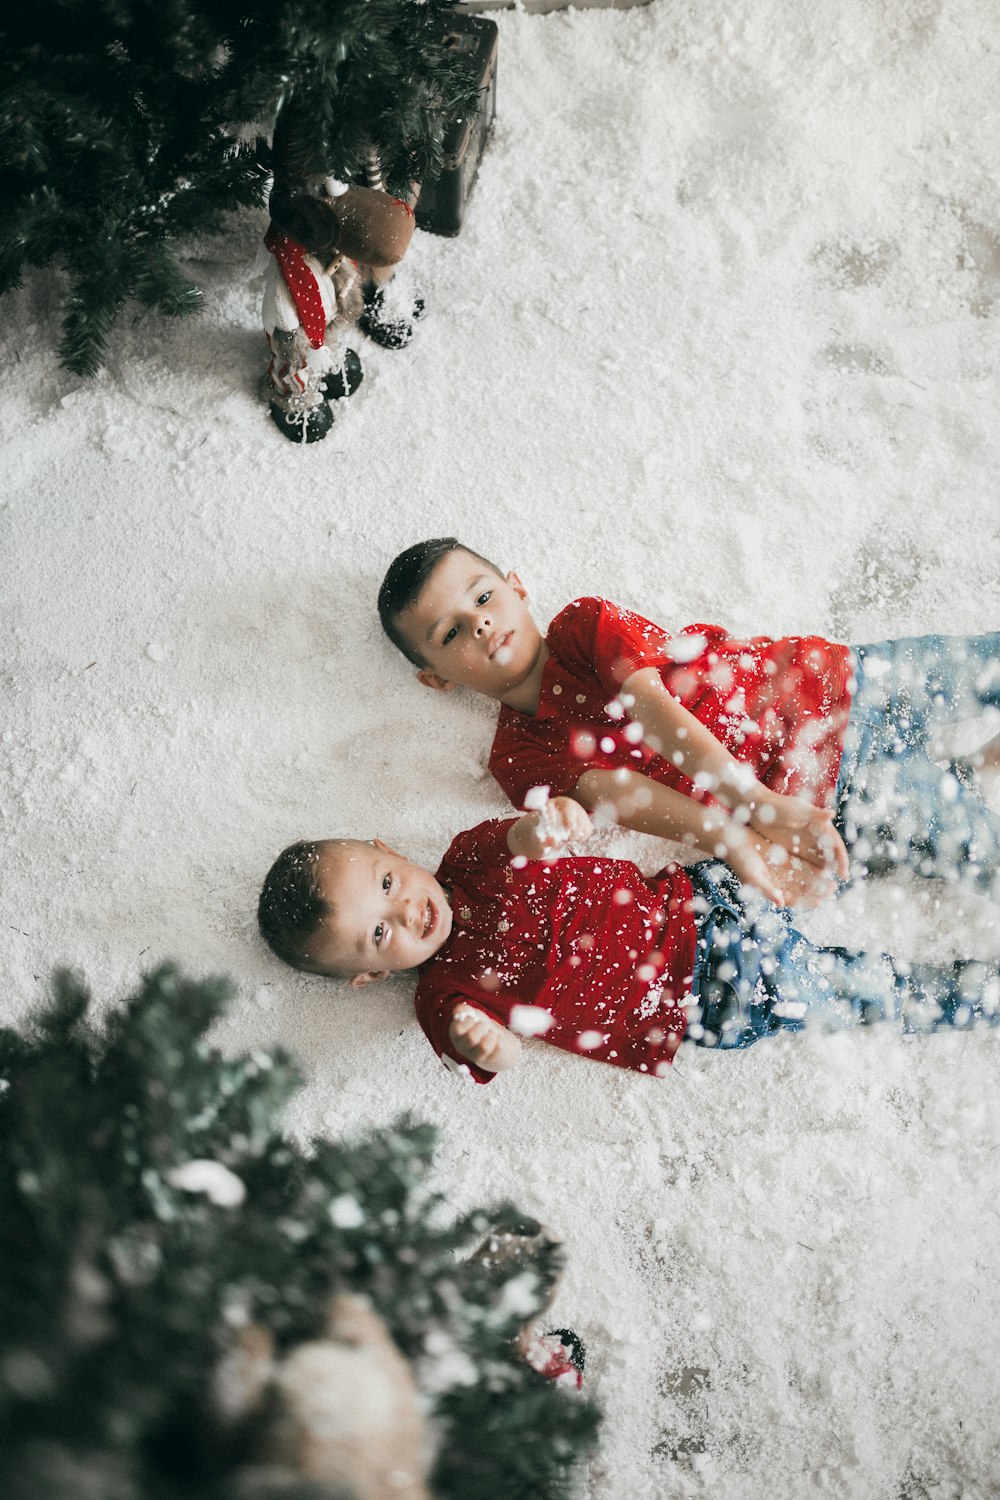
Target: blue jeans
{"type": "Point", "coordinates": [755, 975]}
{"type": "Point", "coordinates": [896, 806]}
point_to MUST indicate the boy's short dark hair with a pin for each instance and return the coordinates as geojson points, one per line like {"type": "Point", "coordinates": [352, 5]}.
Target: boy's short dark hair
{"type": "Point", "coordinates": [291, 905]}
{"type": "Point", "coordinates": [404, 581]}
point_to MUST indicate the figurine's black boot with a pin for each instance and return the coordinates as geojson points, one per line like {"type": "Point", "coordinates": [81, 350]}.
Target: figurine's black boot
{"type": "Point", "coordinates": [576, 1349]}
{"type": "Point", "coordinates": [391, 329]}
{"type": "Point", "coordinates": [345, 381]}
{"type": "Point", "coordinates": [309, 426]}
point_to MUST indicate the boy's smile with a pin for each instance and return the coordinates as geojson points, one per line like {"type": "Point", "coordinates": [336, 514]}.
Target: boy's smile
{"type": "Point", "coordinates": [474, 629]}
{"type": "Point", "coordinates": [388, 914]}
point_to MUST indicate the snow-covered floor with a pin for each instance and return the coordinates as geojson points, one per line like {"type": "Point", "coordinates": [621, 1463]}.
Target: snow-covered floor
{"type": "Point", "coordinates": [719, 341]}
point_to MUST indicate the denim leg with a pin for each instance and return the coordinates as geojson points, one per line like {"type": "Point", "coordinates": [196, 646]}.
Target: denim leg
{"type": "Point", "coordinates": [961, 994]}
{"type": "Point", "coordinates": [756, 975]}
{"type": "Point", "coordinates": [895, 805]}
{"type": "Point", "coordinates": [910, 686]}
{"type": "Point", "coordinates": [733, 1007]}
{"type": "Point", "coordinates": [909, 811]}
{"type": "Point", "coordinates": [762, 976]}
{"type": "Point", "coordinates": [837, 987]}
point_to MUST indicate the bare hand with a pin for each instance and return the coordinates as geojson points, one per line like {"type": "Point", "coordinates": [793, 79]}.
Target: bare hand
{"type": "Point", "coordinates": [782, 877]}
{"type": "Point", "coordinates": [546, 833]}
{"type": "Point", "coordinates": [804, 830]}
{"type": "Point", "coordinates": [484, 1042]}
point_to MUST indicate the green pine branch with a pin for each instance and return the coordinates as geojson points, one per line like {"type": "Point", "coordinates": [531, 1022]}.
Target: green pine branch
{"type": "Point", "coordinates": [120, 1289]}
{"type": "Point", "coordinates": [118, 119]}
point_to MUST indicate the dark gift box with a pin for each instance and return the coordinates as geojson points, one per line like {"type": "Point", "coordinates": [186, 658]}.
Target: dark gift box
{"type": "Point", "coordinates": [441, 205]}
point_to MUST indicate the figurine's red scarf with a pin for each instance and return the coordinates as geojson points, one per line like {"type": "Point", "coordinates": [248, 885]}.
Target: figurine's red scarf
{"type": "Point", "coordinates": [301, 282]}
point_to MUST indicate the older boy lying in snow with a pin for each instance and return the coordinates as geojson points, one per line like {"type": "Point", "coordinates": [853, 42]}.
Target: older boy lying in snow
{"type": "Point", "coordinates": [585, 952]}
{"type": "Point", "coordinates": [820, 747]}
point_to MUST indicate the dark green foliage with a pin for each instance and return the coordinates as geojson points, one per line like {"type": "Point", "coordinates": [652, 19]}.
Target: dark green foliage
{"type": "Point", "coordinates": [119, 1291]}
{"type": "Point", "coordinates": [118, 127]}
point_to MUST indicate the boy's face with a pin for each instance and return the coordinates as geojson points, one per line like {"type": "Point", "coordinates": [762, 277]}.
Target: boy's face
{"type": "Point", "coordinates": [472, 628]}
{"type": "Point", "coordinates": [387, 914]}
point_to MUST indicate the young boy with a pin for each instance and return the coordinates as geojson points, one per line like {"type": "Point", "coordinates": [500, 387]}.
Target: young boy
{"type": "Point", "coordinates": [820, 748]}
{"type": "Point", "coordinates": [584, 952]}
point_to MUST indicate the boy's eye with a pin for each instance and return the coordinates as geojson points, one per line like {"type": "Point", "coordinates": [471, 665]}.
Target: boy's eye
{"type": "Point", "coordinates": [484, 598]}
{"type": "Point", "coordinates": [386, 882]}
{"type": "Point", "coordinates": [449, 635]}
{"type": "Point", "coordinates": [379, 933]}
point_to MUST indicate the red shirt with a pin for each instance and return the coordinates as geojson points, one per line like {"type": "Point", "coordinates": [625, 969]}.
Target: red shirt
{"type": "Point", "coordinates": [780, 705]}
{"type": "Point", "coordinates": [598, 958]}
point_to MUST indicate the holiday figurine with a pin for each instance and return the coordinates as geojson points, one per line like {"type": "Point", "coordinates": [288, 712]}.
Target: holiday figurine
{"type": "Point", "coordinates": [333, 247]}
{"type": "Point", "coordinates": [343, 1408]}
{"type": "Point", "coordinates": [556, 1353]}
{"type": "Point", "coordinates": [315, 283]}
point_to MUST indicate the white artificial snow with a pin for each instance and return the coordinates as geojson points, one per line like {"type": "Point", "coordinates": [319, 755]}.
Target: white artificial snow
{"type": "Point", "coordinates": [519, 1298]}
{"type": "Point", "coordinates": [529, 1020]}
{"type": "Point", "coordinates": [220, 1186]}
{"type": "Point", "coordinates": [718, 341]}
{"type": "Point", "coordinates": [346, 1212]}
{"type": "Point", "coordinates": [444, 1365]}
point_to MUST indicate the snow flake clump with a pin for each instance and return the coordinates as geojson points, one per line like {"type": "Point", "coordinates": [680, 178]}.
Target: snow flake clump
{"type": "Point", "coordinates": [445, 1365]}
{"type": "Point", "coordinates": [687, 647]}
{"type": "Point", "coordinates": [529, 1020]}
{"type": "Point", "coordinates": [519, 1298]}
{"type": "Point", "coordinates": [346, 1212]}
{"type": "Point", "coordinates": [220, 1186]}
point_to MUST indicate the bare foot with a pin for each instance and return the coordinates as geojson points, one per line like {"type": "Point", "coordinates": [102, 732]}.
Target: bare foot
{"type": "Point", "coordinates": [987, 758]}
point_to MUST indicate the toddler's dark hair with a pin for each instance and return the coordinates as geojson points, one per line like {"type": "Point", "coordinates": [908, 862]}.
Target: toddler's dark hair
{"type": "Point", "coordinates": [291, 906]}
{"type": "Point", "coordinates": [405, 579]}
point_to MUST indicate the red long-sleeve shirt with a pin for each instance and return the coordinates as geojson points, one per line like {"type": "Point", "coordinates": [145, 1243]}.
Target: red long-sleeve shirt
{"type": "Point", "coordinates": [781, 706]}
{"type": "Point", "coordinates": [583, 952]}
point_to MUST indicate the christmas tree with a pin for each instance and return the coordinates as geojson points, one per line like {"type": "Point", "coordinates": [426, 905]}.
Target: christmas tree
{"type": "Point", "coordinates": [120, 128]}
{"type": "Point", "coordinates": [153, 1217]}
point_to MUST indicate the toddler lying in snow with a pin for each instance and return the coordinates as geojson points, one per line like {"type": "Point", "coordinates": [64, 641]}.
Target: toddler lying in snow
{"type": "Point", "coordinates": [585, 953]}
{"type": "Point", "coordinates": [818, 749]}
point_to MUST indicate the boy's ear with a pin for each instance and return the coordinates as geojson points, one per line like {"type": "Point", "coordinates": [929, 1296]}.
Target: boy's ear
{"type": "Point", "coordinates": [360, 980]}
{"type": "Point", "coordinates": [518, 587]}
{"type": "Point", "coordinates": [386, 850]}
{"type": "Point", "coordinates": [433, 680]}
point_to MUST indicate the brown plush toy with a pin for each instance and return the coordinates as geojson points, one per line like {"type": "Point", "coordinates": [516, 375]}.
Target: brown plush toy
{"type": "Point", "coordinates": [339, 1417]}
{"type": "Point", "coordinates": [328, 243]}
{"type": "Point", "coordinates": [340, 1412]}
